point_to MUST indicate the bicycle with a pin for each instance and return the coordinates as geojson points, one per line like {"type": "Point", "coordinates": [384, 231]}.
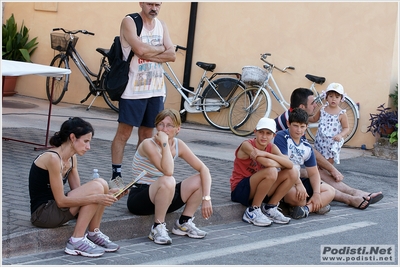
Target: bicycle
{"type": "Point", "coordinates": [214, 100]}
{"type": "Point", "coordinates": [255, 102]}
{"type": "Point", "coordinates": [65, 44]}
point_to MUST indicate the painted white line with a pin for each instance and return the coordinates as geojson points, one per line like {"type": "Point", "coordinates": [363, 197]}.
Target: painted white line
{"type": "Point", "coordinates": [258, 245]}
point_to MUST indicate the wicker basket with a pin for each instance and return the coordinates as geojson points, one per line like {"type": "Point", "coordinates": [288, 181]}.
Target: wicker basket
{"type": "Point", "coordinates": [253, 75]}
{"type": "Point", "coordinates": [59, 41]}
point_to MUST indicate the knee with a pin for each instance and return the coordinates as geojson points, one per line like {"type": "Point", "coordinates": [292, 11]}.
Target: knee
{"type": "Point", "coordinates": [328, 189]}
{"type": "Point", "coordinates": [124, 133]}
{"type": "Point", "coordinates": [100, 186]}
{"type": "Point", "coordinates": [167, 182]}
{"type": "Point", "coordinates": [293, 174]}
{"type": "Point", "coordinates": [270, 173]}
{"type": "Point", "coordinates": [197, 181]}
{"type": "Point", "coordinates": [104, 184]}
{"type": "Point", "coordinates": [291, 199]}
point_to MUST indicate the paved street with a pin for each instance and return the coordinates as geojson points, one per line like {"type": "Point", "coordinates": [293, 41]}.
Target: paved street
{"type": "Point", "coordinates": [229, 241]}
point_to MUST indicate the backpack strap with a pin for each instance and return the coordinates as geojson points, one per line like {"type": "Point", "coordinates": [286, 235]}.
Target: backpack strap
{"type": "Point", "coordinates": [139, 25]}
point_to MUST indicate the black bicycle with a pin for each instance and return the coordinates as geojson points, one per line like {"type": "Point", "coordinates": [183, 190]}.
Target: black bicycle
{"type": "Point", "coordinates": [65, 43]}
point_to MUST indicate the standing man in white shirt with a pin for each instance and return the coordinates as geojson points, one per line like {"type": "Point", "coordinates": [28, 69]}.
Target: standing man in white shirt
{"type": "Point", "coordinates": [143, 97]}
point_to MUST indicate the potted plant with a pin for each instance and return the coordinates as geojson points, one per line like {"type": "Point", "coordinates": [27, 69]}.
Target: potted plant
{"type": "Point", "coordinates": [393, 136]}
{"type": "Point", "coordinates": [384, 122]}
{"type": "Point", "coordinates": [16, 46]}
{"type": "Point", "coordinates": [395, 97]}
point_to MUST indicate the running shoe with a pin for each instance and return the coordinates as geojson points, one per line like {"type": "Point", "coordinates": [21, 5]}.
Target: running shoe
{"type": "Point", "coordinates": [102, 240]}
{"type": "Point", "coordinates": [188, 228]}
{"type": "Point", "coordinates": [299, 212]}
{"type": "Point", "coordinates": [275, 215]}
{"type": "Point", "coordinates": [160, 235]}
{"type": "Point", "coordinates": [84, 247]}
{"type": "Point", "coordinates": [256, 217]}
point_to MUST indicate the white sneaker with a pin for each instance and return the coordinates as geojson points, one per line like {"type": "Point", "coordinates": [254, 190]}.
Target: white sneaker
{"type": "Point", "coordinates": [256, 217]}
{"type": "Point", "coordinates": [275, 215]}
{"type": "Point", "coordinates": [188, 228]}
{"type": "Point", "coordinates": [160, 234]}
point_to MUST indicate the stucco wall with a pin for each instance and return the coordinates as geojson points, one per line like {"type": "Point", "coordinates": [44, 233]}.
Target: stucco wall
{"type": "Point", "coordinates": [354, 44]}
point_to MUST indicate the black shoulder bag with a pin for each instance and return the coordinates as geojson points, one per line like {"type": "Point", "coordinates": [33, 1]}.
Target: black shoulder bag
{"type": "Point", "coordinates": [118, 76]}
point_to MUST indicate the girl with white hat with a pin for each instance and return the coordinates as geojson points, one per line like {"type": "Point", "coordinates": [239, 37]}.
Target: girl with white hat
{"type": "Point", "coordinates": [333, 124]}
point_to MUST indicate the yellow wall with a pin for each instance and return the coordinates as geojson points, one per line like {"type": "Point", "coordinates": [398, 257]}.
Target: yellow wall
{"type": "Point", "coordinates": [353, 43]}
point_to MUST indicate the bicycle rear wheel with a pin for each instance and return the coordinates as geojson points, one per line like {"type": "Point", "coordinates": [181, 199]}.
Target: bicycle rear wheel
{"type": "Point", "coordinates": [247, 109]}
{"type": "Point", "coordinates": [60, 83]}
{"type": "Point", "coordinates": [215, 111]}
{"type": "Point", "coordinates": [352, 119]}
{"type": "Point", "coordinates": [114, 105]}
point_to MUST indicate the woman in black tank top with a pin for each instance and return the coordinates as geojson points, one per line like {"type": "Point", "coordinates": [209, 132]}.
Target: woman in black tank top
{"type": "Point", "coordinates": [51, 207]}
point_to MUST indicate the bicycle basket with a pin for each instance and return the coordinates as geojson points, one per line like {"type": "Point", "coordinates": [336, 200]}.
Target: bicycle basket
{"type": "Point", "coordinates": [59, 41]}
{"type": "Point", "coordinates": [253, 75]}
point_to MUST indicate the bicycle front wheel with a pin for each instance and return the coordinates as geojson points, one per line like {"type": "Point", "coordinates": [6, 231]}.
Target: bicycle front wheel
{"type": "Point", "coordinates": [59, 84]}
{"type": "Point", "coordinates": [352, 118]}
{"type": "Point", "coordinates": [114, 105]}
{"type": "Point", "coordinates": [216, 103]}
{"type": "Point", "coordinates": [247, 109]}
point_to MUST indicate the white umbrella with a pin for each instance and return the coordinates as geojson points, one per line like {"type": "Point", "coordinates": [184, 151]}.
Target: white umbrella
{"type": "Point", "coordinates": [18, 68]}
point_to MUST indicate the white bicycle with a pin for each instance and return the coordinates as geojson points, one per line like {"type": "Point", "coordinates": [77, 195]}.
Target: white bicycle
{"type": "Point", "coordinates": [213, 94]}
{"type": "Point", "coordinates": [255, 102]}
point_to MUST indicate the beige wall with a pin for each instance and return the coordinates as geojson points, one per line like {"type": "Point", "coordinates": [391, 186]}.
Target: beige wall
{"type": "Point", "coordinates": [351, 43]}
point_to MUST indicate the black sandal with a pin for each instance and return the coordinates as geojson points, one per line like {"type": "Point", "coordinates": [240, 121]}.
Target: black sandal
{"type": "Point", "coordinates": [362, 203]}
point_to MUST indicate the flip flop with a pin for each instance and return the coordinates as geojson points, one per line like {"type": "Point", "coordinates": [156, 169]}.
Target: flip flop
{"type": "Point", "coordinates": [375, 199]}
{"type": "Point", "coordinates": [362, 203]}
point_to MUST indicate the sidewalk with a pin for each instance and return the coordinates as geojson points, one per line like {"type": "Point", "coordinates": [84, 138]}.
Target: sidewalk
{"type": "Point", "coordinates": [25, 118]}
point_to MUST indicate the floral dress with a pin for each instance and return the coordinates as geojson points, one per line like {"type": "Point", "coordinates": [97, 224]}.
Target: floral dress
{"type": "Point", "coordinates": [329, 126]}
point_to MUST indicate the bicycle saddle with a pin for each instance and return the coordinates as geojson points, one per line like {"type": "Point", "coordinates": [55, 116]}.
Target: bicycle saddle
{"type": "Point", "coordinates": [206, 66]}
{"type": "Point", "coordinates": [103, 51]}
{"type": "Point", "coordinates": [315, 79]}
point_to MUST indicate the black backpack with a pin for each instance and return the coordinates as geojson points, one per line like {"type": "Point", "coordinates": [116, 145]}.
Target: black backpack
{"type": "Point", "coordinates": [117, 78]}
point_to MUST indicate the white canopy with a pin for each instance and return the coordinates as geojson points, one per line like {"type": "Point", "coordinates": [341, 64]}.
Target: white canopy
{"type": "Point", "coordinates": [18, 68]}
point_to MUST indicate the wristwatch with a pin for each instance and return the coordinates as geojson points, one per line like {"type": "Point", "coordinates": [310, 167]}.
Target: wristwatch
{"type": "Point", "coordinates": [206, 198]}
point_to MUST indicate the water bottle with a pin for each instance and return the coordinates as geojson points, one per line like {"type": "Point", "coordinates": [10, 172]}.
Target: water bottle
{"type": "Point", "coordinates": [96, 173]}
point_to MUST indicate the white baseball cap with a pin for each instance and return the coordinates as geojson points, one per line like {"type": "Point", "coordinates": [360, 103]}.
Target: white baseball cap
{"type": "Point", "coordinates": [337, 87]}
{"type": "Point", "coordinates": [266, 123]}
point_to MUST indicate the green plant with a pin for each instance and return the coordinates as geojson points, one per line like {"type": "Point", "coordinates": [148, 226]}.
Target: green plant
{"type": "Point", "coordinates": [393, 136]}
{"type": "Point", "coordinates": [395, 97]}
{"type": "Point", "coordinates": [385, 119]}
{"type": "Point", "coordinates": [16, 44]}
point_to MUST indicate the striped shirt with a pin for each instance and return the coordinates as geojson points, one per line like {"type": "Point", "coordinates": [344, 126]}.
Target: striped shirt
{"type": "Point", "coordinates": [141, 163]}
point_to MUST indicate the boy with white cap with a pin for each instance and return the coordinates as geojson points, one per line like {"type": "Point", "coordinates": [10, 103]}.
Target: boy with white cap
{"type": "Point", "coordinates": [261, 176]}
{"type": "Point", "coordinates": [333, 124]}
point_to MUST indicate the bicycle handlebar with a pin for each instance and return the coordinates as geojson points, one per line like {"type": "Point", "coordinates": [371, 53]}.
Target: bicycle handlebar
{"type": "Point", "coordinates": [264, 57]}
{"type": "Point", "coordinates": [73, 32]}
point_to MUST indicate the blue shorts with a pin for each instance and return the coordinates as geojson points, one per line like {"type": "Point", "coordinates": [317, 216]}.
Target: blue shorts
{"type": "Point", "coordinates": [140, 112]}
{"type": "Point", "coordinates": [308, 187]}
{"type": "Point", "coordinates": [241, 193]}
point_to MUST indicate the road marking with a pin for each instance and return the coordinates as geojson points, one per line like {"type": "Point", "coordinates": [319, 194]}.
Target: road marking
{"type": "Point", "coordinates": [258, 245]}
